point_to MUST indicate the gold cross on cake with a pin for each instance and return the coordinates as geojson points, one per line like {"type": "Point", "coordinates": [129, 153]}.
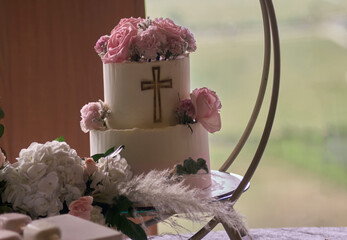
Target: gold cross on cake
{"type": "Point", "coordinates": [156, 85]}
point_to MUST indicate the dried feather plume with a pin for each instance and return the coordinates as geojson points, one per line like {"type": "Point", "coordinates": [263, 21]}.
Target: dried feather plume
{"type": "Point", "coordinates": [155, 189]}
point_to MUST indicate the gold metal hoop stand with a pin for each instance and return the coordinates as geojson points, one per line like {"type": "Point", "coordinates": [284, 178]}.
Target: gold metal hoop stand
{"type": "Point", "coordinates": [270, 35]}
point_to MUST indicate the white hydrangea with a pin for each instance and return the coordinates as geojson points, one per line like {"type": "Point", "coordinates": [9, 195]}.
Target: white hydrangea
{"type": "Point", "coordinates": [44, 176]}
{"type": "Point", "coordinates": [96, 216]}
{"type": "Point", "coordinates": [110, 172]}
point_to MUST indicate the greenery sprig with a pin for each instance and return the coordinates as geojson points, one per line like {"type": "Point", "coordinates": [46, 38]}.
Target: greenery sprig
{"type": "Point", "coordinates": [190, 166]}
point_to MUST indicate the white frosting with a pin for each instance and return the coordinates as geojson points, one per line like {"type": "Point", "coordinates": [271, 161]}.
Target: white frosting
{"type": "Point", "coordinates": [201, 180]}
{"type": "Point", "coordinates": [132, 107]}
{"type": "Point", "coordinates": [159, 148]}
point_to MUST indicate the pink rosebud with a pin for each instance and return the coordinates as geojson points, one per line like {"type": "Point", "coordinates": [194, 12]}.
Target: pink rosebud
{"type": "Point", "coordinates": [91, 115]}
{"type": "Point", "coordinates": [2, 158]}
{"type": "Point", "coordinates": [121, 39]}
{"type": "Point", "coordinates": [101, 45]}
{"type": "Point", "coordinates": [186, 107]}
{"type": "Point", "coordinates": [81, 207]}
{"type": "Point", "coordinates": [207, 106]}
{"type": "Point", "coordinates": [90, 166]}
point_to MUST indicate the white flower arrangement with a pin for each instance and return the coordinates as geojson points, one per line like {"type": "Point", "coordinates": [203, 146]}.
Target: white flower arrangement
{"type": "Point", "coordinates": [43, 178]}
{"type": "Point", "coordinates": [51, 179]}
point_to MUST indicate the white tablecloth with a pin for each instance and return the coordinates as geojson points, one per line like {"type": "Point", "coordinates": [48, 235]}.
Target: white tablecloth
{"type": "Point", "coordinates": [303, 233]}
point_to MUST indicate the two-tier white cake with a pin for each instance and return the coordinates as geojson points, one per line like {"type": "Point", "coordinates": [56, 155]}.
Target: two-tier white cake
{"type": "Point", "coordinates": [144, 119]}
{"type": "Point", "coordinates": [143, 89]}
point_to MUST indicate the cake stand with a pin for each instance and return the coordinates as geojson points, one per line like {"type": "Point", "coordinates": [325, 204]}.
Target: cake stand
{"type": "Point", "coordinates": [227, 186]}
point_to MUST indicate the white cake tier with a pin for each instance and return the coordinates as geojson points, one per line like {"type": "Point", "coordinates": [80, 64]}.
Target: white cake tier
{"type": "Point", "coordinates": [159, 148]}
{"type": "Point", "coordinates": [146, 94]}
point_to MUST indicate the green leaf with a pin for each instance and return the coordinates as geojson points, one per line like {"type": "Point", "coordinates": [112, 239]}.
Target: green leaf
{"type": "Point", "coordinates": [2, 188]}
{"type": "Point", "coordinates": [131, 229]}
{"type": "Point", "coordinates": [5, 208]}
{"type": "Point", "coordinates": [60, 139]}
{"type": "Point", "coordinates": [2, 114]}
{"type": "Point", "coordinates": [109, 151]}
{"type": "Point", "coordinates": [2, 129]}
{"type": "Point", "coordinates": [180, 170]}
{"type": "Point", "coordinates": [191, 167]}
{"type": "Point", "coordinates": [202, 164]}
{"type": "Point", "coordinates": [114, 217]}
{"type": "Point", "coordinates": [65, 209]}
{"type": "Point", "coordinates": [97, 156]}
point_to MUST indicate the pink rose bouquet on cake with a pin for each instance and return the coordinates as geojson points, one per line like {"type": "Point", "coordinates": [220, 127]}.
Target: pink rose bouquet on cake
{"type": "Point", "coordinates": [203, 107]}
{"type": "Point", "coordinates": [138, 39]}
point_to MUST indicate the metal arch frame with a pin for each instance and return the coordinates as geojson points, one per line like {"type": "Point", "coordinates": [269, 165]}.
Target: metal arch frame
{"type": "Point", "coordinates": [270, 33]}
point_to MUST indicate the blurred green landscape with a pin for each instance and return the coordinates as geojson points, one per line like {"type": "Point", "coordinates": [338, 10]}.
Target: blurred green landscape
{"type": "Point", "coordinates": [302, 179]}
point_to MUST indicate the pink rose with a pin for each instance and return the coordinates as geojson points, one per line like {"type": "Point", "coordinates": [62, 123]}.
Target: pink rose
{"type": "Point", "coordinates": [91, 115]}
{"type": "Point", "coordinates": [90, 166]}
{"type": "Point", "coordinates": [126, 21]}
{"type": "Point", "coordinates": [149, 42]}
{"type": "Point", "coordinates": [207, 106]}
{"type": "Point", "coordinates": [2, 158]}
{"type": "Point", "coordinates": [121, 39]}
{"type": "Point", "coordinates": [101, 45]}
{"type": "Point", "coordinates": [81, 207]}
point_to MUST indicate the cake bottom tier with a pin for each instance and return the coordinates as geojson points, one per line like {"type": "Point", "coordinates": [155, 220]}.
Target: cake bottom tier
{"type": "Point", "coordinates": [159, 148]}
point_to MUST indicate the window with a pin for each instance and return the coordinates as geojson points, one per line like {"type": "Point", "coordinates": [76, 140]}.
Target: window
{"type": "Point", "coordinates": [304, 168]}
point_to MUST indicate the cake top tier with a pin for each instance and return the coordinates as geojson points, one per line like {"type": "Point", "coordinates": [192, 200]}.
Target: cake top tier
{"type": "Point", "coordinates": [145, 40]}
